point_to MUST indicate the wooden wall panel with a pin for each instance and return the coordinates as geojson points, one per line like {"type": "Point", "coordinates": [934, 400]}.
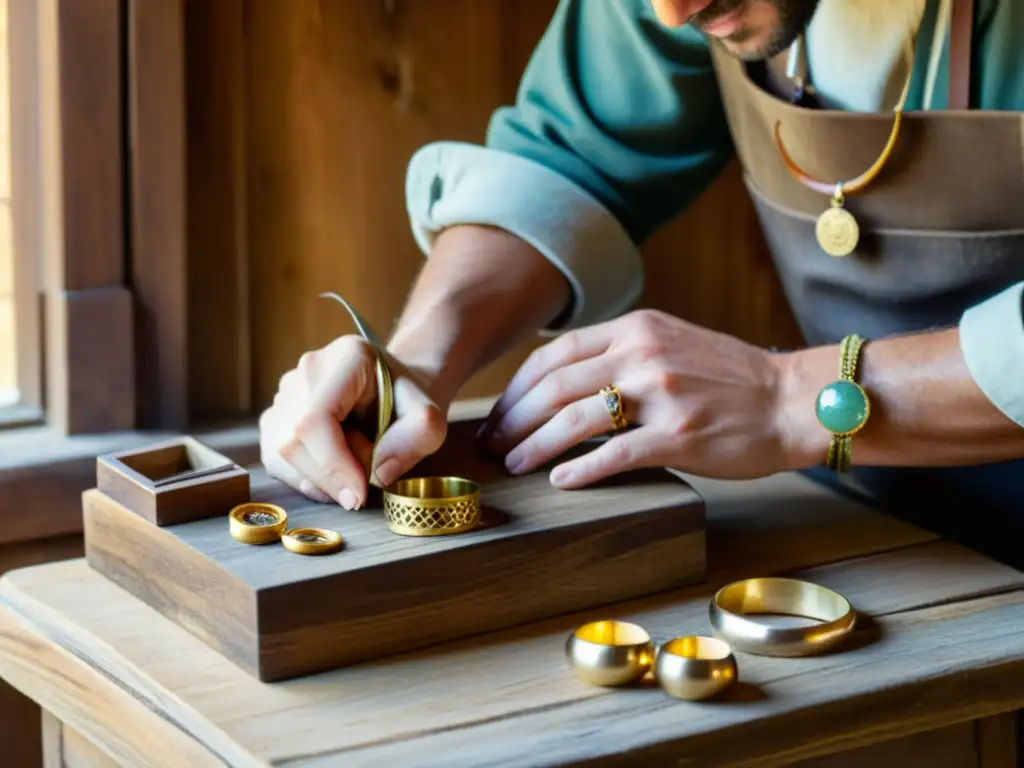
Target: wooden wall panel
{"type": "Point", "coordinates": [334, 98]}
{"type": "Point", "coordinates": [341, 95]}
{"type": "Point", "coordinates": [219, 345]}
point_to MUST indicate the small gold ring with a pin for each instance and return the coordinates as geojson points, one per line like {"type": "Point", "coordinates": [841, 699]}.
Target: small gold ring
{"type": "Point", "coordinates": [312, 541]}
{"type": "Point", "coordinates": [732, 607]}
{"type": "Point", "coordinates": [432, 506]}
{"type": "Point", "coordinates": [616, 409]}
{"type": "Point", "coordinates": [610, 653]}
{"type": "Point", "coordinates": [257, 523]}
{"type": "Point", "coordinates": [695, 668]}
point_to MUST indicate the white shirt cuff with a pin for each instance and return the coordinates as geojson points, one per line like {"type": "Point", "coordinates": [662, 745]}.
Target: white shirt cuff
{"type": "Point", "coordinates": [452, 183]}
{"type": "Point", "coordinates": [992, 342]}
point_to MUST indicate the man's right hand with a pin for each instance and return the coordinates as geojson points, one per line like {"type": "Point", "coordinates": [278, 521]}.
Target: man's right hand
{"type": "Point", "coordinates": [302, 440]}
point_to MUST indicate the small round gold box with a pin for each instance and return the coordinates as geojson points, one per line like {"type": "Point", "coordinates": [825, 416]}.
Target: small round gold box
{"type": "Point", "coordinates": [312, 541]}
{"type": "Point", "coordinates": [432, 506]}
{"type": "Point", "coordinates": [257, 523]}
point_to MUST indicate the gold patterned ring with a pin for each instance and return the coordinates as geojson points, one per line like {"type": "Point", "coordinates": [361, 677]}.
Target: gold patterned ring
{"type": "Point", "coordinates": [616, 410]}
{"type": "Point", "coordinates": [734, 606]}
{"type": "Point", "coordinates": [257, 523]}
{"type": "Point", "coordinates": [432, 506]}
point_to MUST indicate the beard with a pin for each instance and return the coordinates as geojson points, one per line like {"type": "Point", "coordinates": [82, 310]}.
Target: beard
{"type": "Point", "coordinates": [758, 44]}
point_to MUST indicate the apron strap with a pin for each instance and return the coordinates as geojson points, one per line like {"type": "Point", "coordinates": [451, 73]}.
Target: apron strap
{"type": "Point", "coordinates": [961, 33]}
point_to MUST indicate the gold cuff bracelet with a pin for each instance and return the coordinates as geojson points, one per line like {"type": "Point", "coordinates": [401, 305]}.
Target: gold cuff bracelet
{"type": "Point", "coordinates": [257, 523]}
{"type": "Point", "coordinates": [432, 506]}
{"type": "Point", "coordinates": [733, 605]}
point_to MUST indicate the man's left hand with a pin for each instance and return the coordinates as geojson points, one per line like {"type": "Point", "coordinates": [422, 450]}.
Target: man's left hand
{"type": "Point", "coordinates": [697, 401]}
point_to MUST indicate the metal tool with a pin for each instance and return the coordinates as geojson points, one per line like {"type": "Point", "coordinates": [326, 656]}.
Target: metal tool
{"type": "Point", "coordinates": [385, 383]}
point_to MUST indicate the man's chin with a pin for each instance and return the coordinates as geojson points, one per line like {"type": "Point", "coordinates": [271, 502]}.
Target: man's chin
{"type": "Point", "coordinates": [753, 48]}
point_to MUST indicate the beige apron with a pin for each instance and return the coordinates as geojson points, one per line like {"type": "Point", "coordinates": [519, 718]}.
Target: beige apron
{"type": "Point", "coordinates": [942, 228]}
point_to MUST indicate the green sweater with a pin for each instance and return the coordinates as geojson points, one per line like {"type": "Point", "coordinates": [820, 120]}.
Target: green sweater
{"type": "Point", "coordinates": [618, 126]}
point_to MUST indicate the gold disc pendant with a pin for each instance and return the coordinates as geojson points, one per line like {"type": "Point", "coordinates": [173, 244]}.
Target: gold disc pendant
{"type": "Point", "coordinates": [837, 230]}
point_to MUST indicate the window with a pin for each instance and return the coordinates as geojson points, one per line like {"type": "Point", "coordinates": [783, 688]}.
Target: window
{"type": "Point", "coordinates": [19, 332]}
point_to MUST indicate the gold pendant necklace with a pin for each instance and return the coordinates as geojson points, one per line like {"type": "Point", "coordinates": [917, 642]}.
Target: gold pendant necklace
{"type": "Point", "coordinates": [837, 230]}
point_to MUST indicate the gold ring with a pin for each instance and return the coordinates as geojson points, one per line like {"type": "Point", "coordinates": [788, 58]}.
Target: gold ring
{"type": "Point", "coordinates": [257, 523]}
{"type": "Point", "coordinates": [432, 506]}
{"type": "Point", "coordinates": [613, 402]}
{"type": "Point", "coordinates": [733, 605]}
{"type": "Point", "coordinates": [695, 668]}
{"type": "Point", "coordinates": [610, 653]}
{"type": "Point", "coordinates": [312, 541]}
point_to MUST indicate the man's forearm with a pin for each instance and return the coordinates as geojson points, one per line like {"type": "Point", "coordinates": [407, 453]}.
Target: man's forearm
{"type": "Point", "coordinates": [481, 292]}
{"type": "Point", "coordinates": [926, 409]}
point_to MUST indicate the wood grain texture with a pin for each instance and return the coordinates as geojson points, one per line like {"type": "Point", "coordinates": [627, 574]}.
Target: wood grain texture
{"type": "Point", "coordinates": [341, 95]}
{"type": "Point", "coordinates": [159, 268]}
{"type": "Point", "coordinates": [941, 649]}
{"type": "Point", "coordinates": [997, 738]}
{"type": "Point", "coordinates": [165, 485]}
{"type": "Point", "coordinates": [952, 747]}
{"type": "Point", "coordinates": [19, 715]}
{"type": "Point", "coordinates": [98, 369]}
{"type": "Point", "coordinates": [67, 748]}
{"type": "Point", "coordinates": [69, 207]}
{"type": "Point", "coordinates": [219, 323]}
{"type": "Point", "coordinates": [542, 552]}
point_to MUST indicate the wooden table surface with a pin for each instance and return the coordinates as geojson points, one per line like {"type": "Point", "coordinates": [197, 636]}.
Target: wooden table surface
{"type": "Point", "coordinates": [939, 645]}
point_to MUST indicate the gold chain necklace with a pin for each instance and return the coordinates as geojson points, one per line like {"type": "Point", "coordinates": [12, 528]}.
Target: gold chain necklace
{"type": "Point", "coordinates": [837, 230]}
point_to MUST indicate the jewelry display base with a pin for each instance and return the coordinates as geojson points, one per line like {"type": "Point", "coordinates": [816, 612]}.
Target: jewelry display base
{"type": "Point", "coordinates": [539, 553]}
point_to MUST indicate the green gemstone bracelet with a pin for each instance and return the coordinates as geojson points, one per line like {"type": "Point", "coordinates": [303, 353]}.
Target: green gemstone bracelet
{"type": "Point", "coordinates": [843, 406]}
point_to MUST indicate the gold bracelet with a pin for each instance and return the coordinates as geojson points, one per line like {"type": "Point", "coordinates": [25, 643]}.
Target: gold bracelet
{"type": "Point", "coordinates": [257, 523]}
{"type": "Point", "coordinates": [732, 605]}
{"type": "Point", "coordinates": [432, 506]}
{"type": "Point", "coordinates": [843, 407]}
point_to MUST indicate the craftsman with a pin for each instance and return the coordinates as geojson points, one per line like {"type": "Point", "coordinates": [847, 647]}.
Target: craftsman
{"type": "Point", "coordinates": [907, 264]}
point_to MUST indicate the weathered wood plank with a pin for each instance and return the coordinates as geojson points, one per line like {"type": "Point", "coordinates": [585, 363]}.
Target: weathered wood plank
{"type": "Point", "coordinates": [932, 668]}
{"type": "Point", "coordinates": [541, 552]}
{"type": "Point", "coordinates": [997, 739]}
{"type": "Point", "coordinates": [511, 695]}
{"type": "Point", "coordinates": [952, 747]}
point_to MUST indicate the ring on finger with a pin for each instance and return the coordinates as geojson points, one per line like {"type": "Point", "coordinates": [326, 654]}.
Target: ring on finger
{"type": "Point", "coordinates": [615, 406]}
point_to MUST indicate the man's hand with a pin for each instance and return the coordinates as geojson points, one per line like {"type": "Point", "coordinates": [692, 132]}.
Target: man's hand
{"type": "Point", "coordinates": [302, 441]}
{"type": "Point", "coordinates": [702, 402]}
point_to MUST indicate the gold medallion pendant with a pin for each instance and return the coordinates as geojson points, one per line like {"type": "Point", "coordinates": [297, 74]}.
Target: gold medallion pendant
{"type": "Point", "coordinates": [837, 230]}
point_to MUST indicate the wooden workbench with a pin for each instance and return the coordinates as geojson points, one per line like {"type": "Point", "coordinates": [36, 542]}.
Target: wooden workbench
{"type": "Point", "coordinates": [933, 676]}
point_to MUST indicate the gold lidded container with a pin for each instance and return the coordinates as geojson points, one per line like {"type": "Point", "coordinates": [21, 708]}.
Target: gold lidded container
{"type": "Point", "coordinates": [257, 523]}
{"type": "Point", "coordinates": [695, 668]}
{"type": "Point", "coordinates": [432, 506]}
{"type": "Point", "coordinates": [610, 653]}
{"type": "Point", "coordinates": [312, 541]}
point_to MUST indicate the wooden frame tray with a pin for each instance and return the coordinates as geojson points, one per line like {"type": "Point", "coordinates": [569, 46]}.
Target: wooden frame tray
{"type": "Point", "coordinates": [542, 552]}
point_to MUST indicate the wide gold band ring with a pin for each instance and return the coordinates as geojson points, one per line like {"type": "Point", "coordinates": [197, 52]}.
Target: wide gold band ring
{"type": "Point", "coordinates": [734, 605]}
{"type": "Point", "coordinates": [257, 523]}
{"type": "Point", "coordinates": [616, 408]}
{"type": "Point", "coordinates": [432, 506]}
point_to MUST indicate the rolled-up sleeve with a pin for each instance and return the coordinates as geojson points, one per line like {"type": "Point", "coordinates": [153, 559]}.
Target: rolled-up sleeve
{"type": "Point", "coordinates": [992, 342]}
{"type": "Point", "coordinates": [616, 128]}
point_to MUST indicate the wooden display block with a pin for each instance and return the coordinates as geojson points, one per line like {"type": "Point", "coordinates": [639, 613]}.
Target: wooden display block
{"type": "Point", "coordinates": [541, 552]}
{"type": "Point", "coordinates": [174, 482]}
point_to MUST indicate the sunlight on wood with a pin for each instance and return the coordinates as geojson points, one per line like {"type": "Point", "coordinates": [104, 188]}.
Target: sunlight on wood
{"type": "Point", "coordinates": [8, 372]}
